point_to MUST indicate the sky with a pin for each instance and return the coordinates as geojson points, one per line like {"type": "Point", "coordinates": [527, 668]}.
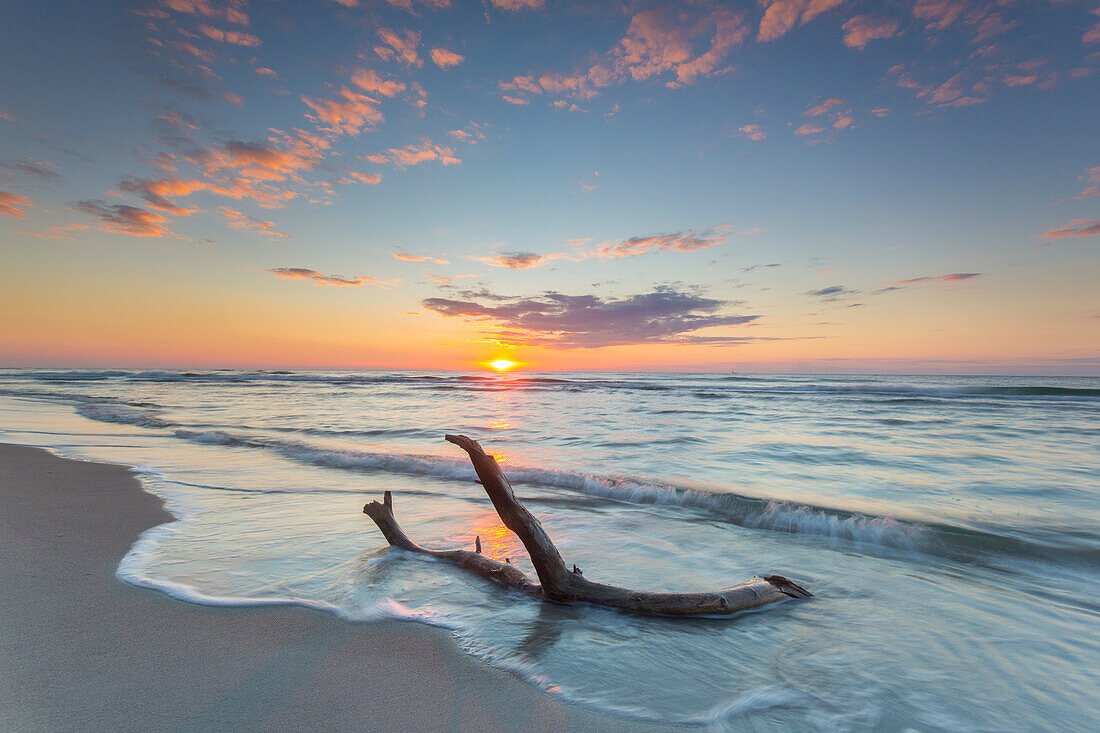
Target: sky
{"type": "Point", "coordinates": [829, 186]}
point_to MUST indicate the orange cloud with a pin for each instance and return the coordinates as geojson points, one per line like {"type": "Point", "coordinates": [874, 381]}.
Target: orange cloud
{"type": "Point", "coordinates": [1092, 175]}
{"type": "Point", "coordinates": [781, 15]}
{"type": "Point", "coordinates": [236, 38]}
{"type": "Point", "coordinates": [663, 40]}
{"type": "Point", "coordinates": [372, 178]}
{"type": "Point", "coordinates": [264, 71]}
{"type": "Point", "coordinates": [417, 258]}
{"type": "Point", "coordinates": [125, 219]}
{"type": "Point", "coordinates": [445, 59]}
{"type": "Point", "coordinates": [520, 260]}
{"type": "Point", "coordinates": [347, 115]}
{"type": "Point", "coordinates": [58, 231]}
{"type": "Point", "coordinates": [808, 128]}
{"type": "Point", "coordinates": [399, 47]}
{"type": "Point", "coordinates": [300, 273]}
{"type": "Point", "coordinates": [1077, 228]}
{"type": "Point", "coordinates": [862, 29]}
{"type": "Point", "coordinates": [415, 154]}
{"type": "Point", "coordinates": [239, 220]}
{"type": "Point", "coordinates": [12, 204]}
{"type": "Point", "coordinates": [515, 100]}
{"type": "Point", "coordinates": [371, 81]}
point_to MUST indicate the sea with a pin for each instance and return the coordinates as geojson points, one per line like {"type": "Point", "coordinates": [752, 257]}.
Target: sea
{"type": "Point", "coordinates": [948, 527]}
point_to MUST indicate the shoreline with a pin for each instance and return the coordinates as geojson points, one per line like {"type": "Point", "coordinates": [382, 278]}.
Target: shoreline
{"type": "Point", "coordinates": [82, 650]}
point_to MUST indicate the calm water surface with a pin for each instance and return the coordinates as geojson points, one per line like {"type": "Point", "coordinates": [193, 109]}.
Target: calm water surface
{"type": "Point", "coordinates": [949, 527]}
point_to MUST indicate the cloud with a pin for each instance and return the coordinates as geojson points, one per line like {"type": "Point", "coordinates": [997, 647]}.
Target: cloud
{"type": "Point", "coordinates": [41, 171]}
{"type": "Point", "coordinates": [781, 15]}
{"type": "Point", "coordinates": [12, 204]}
{"type": "Point", "coordinates": [372, 178]}
{"type": "Point", "coordinates": [125, 219]}
{"type": "Point", "coordinates": [445, 59]}
{"type": "Point", "coordinates": [559, 321]}
{"type": "Point", "coordinates": [418, 258]}
{"type": "Point", "coordinates": [752, 132]}
{"type": "Point", "coordinates": [473, 134]}
{"type": "Point", "coordinates": [236, 38]}
{"type": "Point", "coordinates": [862, 29]}
{"type": "Point", "coordinates": [399, 47]}
{"type": "Point", "coordinates": [678, 242]}
{"type": "Point", "coordinates": [518, 4]}
{"type": "Point", "coordinates": [833, 293]}
{"type": "Point", "coordinates": [415, 154]}
{"type": "Point", "coordinates": [300, 273]}
{"type": "Point", "coordinates": [347, 115]}
{"type": "Point", "coordinates": [58, 231]}
{"type": "Point", "coordinates": [273, 160]}
{"type": "Point", "coordinates": [239, 220]}
{"type": "Point", "coordinates": [520, 260]}
{"type": "Point", "coordinates": [823, 107]}
{"type": "Point", "coordinates": [950, 278]}
{"type": "Point", "coordinates": [677, 41]}
{"type": "Point", "coordinates": [1092, 175]}
{"type": "Point", "coordinates": [371, 81]}
{"type": "Point", "coordinates": [264, 71]}
{"type": "Point", "coordinates": [231, 11]}
{"type": "Point", "coordinates": [808, 129]}
{"type": "Point", "coordinates": [1077, 228]}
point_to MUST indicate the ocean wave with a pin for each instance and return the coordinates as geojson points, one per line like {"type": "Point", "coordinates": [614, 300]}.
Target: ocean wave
{"type": "Point", "coordinates": [708, 386]}
{"type": "Point", "coordinates": [124, 414]}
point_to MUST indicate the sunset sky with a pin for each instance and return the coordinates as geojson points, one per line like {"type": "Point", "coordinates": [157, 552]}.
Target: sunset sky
{"type": "Point", "coordinates": [782, 185]}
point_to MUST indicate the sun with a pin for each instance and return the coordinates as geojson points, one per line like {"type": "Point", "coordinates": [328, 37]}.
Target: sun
{"type": "Point", "coordinates": [502, 365]}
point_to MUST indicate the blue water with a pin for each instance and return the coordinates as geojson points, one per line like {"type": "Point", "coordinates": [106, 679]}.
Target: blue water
{"type": "Point", "coordinates": [948, 526]}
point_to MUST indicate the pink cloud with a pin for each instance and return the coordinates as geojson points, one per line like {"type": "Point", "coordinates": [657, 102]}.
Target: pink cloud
{"type": "Point", "coordinates": [677, 242]}
{"type": "Point", "coordinates": [781, 15]}
{"type": "Point", "coordinates": [300, 273]}
{"type": "Point", "coordinates": [1092, 35]}
{"type": "Point", "coordinates": [239, 220]}
{"type": "Point", "coordinates": [823, 107]}
{"type": "Point", "coordinates": [515, 100]}
{"type": "Point", "coordinates": [862, 29]}
{"type": "Point", "coordinates": [753, 132]}
{"type": "Point", "coordinates": [1077, 228]}
{"type": "Point", "coordinates": [951, 278]}
{"type": "Point", "coordinates": [445, 59]}
{"type": "Point", "coordinates": [1092, 175]}
{"type": "Point", "coordinates": [399, 47]}
{"type": "Point", "coordinates": [232, 11]}
{"type": "Point", "coordinates": [808, 128]}
{"type": "Point", "coordinates": [371, 81]}
{"type": "Point", "coordinates": [518, 4]}
{"type": "Point", "coordinates": [264, 71]}
{"type": "Point", "coordinates": [236, 38]}
{"type": "Point", "coordinates": [12, 204]}
{"type": "Point", "coordinates": [347, 115]}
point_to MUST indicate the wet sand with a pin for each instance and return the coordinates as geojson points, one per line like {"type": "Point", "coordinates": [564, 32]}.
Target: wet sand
{"type": "Point", "coordinates": [81, 650]}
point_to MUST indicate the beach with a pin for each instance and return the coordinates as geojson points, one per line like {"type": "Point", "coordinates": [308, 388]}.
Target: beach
{"type": "Point", "coordinates": [81, 650]}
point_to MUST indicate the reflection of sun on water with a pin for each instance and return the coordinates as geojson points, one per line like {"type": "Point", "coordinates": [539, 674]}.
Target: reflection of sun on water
{"type": "Point", "coordinates": [499, 425]}
{"type": "Point", "coordinates": [497, 542]}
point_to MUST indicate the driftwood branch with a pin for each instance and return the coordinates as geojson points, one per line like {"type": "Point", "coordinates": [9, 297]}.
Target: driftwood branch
{"type": "Point", "coordinates": [561, 584]}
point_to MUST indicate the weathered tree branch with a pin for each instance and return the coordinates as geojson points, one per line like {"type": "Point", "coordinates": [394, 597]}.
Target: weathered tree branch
{"type": "Point", "coordinates": [559, 583]}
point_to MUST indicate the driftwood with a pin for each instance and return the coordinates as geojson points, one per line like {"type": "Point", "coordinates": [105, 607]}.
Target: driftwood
{"type": "Point", "coordinates": [559, 583]}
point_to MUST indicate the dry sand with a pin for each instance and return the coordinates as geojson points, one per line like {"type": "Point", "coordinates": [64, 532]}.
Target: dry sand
{"type": "Point", "coordinates": [82, 651]}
